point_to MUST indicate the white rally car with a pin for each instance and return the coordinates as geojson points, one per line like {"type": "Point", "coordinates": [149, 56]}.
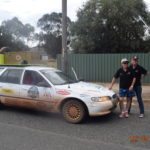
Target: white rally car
{"type": "Point", "coordinates": [49, 89]}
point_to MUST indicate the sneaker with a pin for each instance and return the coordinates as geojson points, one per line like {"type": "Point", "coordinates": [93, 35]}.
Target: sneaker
{"type": "Point", "coordinates": [126, 115]}
{"type": "Point", "coordinates": [121, 115]}
{"type": "Point", "coordinates": [141, 115]}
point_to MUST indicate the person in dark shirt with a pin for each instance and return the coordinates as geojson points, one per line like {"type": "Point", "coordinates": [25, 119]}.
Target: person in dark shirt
{"type": "Point", "coordinates": [126, 84]}
{"type": "Point", "coordinates": [139, 72]}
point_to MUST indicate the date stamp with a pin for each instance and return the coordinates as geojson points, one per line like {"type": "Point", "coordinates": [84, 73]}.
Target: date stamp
{"type": "Point", "coordinates": [142, 138]}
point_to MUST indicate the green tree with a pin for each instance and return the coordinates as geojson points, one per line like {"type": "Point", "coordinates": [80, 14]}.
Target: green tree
{"type": "Point", "coordinates": [7, 40]}
{"type": "Point", "coordinates": [110, 26]}
{"type": "Point", "coordinates": [50, 36]}
{"type": "Point", "coordinates": [19, 31]}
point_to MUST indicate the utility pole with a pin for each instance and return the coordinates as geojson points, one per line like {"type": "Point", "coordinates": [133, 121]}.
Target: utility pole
{"type": "Point", "coordinates": [64, 36]}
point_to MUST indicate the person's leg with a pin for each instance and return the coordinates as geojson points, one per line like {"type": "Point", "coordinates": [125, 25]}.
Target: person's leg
{"type": "Point", "coordinates": [130, 105]}
{"type": "Point", "coordinates": [121, 103]}
{"type": "Point", "coordinates": [130, 95]}
{"type": "Point", "coordinates": [127, 106]}
{"type": "Point", "coordinates": [138, 91]}
{"type": "Point", "coordinates": [122, 95]}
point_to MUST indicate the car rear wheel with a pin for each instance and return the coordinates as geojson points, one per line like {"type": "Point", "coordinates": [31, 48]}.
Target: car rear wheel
{"type": "Point", "coordinates": [74, 111]}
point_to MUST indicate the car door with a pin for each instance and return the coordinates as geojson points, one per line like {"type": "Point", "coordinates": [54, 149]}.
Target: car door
{"type": "Point", "coordinates": [9, 86]}
{"type": "Point", "coordinates": [36, 91]}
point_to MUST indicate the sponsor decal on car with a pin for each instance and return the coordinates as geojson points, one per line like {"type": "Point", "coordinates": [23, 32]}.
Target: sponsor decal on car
{"type": "Point", "coordinates": [63, 92]}
{"type": "Point", "coordinates": [33, 92]}
{"type": "Point", "coordinates": [6, 91]}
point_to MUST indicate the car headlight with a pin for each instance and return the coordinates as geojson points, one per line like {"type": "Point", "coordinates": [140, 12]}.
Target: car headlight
{"type": "Point", "coordinates": [100, 99]}
{"type": "Point", "coordinates": [115, 99]}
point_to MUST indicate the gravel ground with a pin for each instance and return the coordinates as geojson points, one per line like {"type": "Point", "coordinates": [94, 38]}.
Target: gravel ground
{"type": "Point", "coordinates": [22, 129]}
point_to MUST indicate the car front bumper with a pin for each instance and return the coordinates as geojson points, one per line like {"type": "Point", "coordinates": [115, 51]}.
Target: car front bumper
{"type": "Point", "coordinates": [102, 108]}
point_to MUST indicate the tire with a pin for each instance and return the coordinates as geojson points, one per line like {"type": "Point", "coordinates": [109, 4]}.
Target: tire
{"type": "Point", "coordinates": [73, 111]}
{"type": "Point", "coordinates": [1, 106]}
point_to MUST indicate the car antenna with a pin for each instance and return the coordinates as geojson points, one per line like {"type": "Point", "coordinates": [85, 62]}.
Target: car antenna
{"type": "Point", "coordinates": [68, 86]}
{"type": "Point", "coordinates": [74, 72]}
{"type": "Point", "coordinates": [76, 77]}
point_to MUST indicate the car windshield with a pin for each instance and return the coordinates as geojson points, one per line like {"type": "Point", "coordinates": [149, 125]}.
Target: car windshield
{"type": "Point", "coordinates": [58, 77]}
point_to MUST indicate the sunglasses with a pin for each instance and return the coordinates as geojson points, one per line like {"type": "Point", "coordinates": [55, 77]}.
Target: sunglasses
{"type": "Point", "coordinates": [125, 63]}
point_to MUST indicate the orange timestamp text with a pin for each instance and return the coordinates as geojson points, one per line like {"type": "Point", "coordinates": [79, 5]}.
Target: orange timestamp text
{"type": "Point", "coordinates": [142, 138]}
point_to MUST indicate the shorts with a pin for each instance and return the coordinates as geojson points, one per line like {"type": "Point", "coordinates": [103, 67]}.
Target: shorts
{"type": "Point", "coordinates": [126, 93]}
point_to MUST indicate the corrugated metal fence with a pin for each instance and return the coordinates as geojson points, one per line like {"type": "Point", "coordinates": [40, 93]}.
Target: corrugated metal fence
{"type": "Point", "coordinates": [101, 67]}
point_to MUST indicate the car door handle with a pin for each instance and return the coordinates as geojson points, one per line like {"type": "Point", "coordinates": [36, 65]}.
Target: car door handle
{"type": "Point", "coordinates": [24, 89]}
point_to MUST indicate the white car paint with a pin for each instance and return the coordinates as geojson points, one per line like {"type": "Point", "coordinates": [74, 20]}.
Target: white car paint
{"type": "Point", "coordinates": [85, 91]}
{"type": "Point", "coordinates": [56, 94]}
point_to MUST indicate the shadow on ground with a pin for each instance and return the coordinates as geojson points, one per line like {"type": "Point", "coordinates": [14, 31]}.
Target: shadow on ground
{"type": "Point", "coordinates": [57, 116]}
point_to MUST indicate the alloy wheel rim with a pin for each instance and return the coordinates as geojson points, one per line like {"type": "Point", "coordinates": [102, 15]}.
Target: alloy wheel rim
{"type": "Point", "coordinates": [73, 112]}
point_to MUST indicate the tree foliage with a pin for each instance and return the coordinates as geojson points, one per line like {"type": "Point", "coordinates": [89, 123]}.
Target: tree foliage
{"type": "Point", "coordinates": [50, 36]}
{"type": "Point", "coordinates": [7, 40]}
{"type": "Point", "coordinates": [110, 26]}
{"type": "Point", "coordinates": [18, 29]}
{"type": "Point", "coordinates": [15, 34]}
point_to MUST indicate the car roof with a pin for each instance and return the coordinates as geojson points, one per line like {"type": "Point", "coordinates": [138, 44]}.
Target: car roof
{"type": "Point", "coordinates": [29, 67]}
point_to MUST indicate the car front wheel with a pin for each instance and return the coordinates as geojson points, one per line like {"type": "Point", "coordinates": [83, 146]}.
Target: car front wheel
{"type": "Point", "coordinates": [74, 111]}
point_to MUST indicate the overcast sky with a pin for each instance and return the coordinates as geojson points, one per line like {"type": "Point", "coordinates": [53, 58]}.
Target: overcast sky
{"type": "Point", "coordinates": [29, 11]}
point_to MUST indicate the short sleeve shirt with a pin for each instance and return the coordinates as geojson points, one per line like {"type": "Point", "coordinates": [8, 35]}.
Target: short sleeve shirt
{"type": "Point", "coordinates": [138, 71]}
{"type": "Point", "coordinates": [126, 77]}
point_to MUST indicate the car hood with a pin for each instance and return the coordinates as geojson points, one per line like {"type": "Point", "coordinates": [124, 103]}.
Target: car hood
{"type": "Point", "coordinates": [86, 88]}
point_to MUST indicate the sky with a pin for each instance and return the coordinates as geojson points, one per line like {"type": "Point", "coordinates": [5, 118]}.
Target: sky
{"type": "Point", "coordinates": [29, 11]}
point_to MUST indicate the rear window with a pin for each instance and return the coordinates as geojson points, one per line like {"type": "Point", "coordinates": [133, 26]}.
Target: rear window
{"type": "Point", "coordinates": [11, 76]}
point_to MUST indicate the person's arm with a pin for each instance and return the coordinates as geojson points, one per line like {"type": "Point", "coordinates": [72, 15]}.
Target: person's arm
{"type": "Point", "coordinates": [132, 84]}
{"type": "Point", "coordinates": [112, 83]}
{"type": "Point", "coordinates": [114, 79]}
{"type": "Point", "coordinates": [144, 71]}
{"type": "Point", "coordinates": [147, 73]}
